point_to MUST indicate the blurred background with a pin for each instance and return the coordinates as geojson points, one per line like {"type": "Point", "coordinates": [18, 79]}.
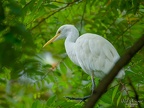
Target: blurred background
{"type": "Point", "coordinates": [35, 77]}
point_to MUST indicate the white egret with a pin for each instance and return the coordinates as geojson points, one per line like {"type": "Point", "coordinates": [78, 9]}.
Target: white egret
{"type": "Point", "coordinates": [93, 53]}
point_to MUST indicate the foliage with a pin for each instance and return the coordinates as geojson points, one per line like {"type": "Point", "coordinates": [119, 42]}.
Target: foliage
{"type": "Point", "coordinates": [36, 77]}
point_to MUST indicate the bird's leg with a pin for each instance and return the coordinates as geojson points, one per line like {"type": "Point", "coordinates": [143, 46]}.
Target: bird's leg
{"type": "Point", "coordinates": [93, 82]}
{"type": "Point", "coordinates": [86, 97]}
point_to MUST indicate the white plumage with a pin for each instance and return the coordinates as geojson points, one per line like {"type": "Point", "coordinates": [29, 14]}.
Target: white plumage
{"type": "Point", "coordinates": [93, 53]}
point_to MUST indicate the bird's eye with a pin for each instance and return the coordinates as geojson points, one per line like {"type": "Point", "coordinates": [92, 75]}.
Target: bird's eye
{"type": "Point", "coordinates": [59, 32]}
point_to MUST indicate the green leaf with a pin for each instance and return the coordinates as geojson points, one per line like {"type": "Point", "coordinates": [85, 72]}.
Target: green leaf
{"type": "Point", "coordinates": [51, 5]}
{"type": "Point", "coordinates": [119, 98]}
{"type": "Point", "coordinates": [114, 92]}
{"type": "Point", "coordinates": [51, 100]}
{"type": "Point", "coordinates": [35, 104]}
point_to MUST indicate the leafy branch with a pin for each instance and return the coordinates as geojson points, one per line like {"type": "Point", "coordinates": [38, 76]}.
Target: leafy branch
{"type": "Point", "coordinates": [56, 11]}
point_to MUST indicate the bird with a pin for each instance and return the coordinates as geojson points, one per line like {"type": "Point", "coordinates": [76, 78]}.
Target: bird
{"type": "Point", "coordinates": [93, 53]}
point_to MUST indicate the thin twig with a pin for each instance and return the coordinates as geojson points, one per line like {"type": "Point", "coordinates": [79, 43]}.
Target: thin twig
{"type": "Point", "coordinates": [83, 14]}
{"type": "Point", "coordinates": [135, 92]}
{"type": "Point", "coordinates": [27, 4]}
{"type": "Point", "coordinates": [64, 7]}
{"type": "Point", "coordinates": [128, 28]}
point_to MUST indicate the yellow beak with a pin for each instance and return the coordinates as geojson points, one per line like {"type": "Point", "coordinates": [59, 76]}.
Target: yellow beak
{"type": "Point", "coordinates": [51, 40]}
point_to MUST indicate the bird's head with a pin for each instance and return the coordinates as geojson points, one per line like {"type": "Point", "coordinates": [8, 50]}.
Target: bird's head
{"type": "Point", "coordinates": [61, 33]}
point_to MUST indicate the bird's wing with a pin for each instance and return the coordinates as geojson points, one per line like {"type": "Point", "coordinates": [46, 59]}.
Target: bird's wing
{"type": "Point", "coordinates": [94, 53]}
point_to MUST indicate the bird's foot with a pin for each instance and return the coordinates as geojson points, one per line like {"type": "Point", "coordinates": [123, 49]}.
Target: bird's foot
{"type": "Point", "coordinates": [81, 99]}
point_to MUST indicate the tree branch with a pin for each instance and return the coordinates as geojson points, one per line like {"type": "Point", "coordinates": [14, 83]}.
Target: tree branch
{"type": "Point", "coordinates": [107, 80]}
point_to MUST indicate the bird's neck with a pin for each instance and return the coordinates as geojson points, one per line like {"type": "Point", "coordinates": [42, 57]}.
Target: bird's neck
{"type": "Point", "coordinates": [70, 45]}
{"type": "Point", "coordinates": [71, 39]}
{"type": "Point", "coordinates": [72, 36]}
